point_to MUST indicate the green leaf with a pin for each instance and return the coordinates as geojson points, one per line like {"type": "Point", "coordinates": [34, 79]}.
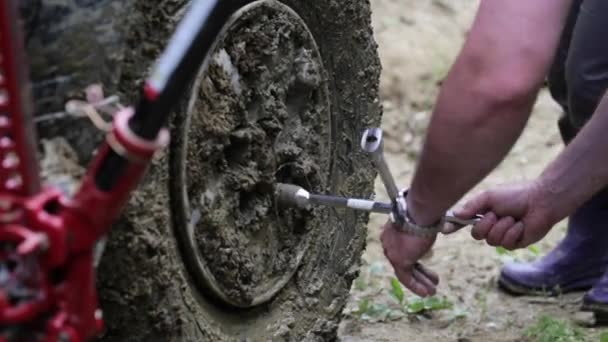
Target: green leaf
{"type": "Point", "coordinates": [415, 306]}
{"type": "Point", "coordinates": [604, 337]}
{"type": "Point", "coordinates": [502, 251]}
{"type": "Point", "coordinates": [534, 249]}
{"type": "Point", "coordinates": [363, 306]}
{"type": "Point", "coordinates": [434, 303]}
{"type": "Point", "coordinates": [397, 290]}
{"type": "Point", "coordinates": [373, 312]}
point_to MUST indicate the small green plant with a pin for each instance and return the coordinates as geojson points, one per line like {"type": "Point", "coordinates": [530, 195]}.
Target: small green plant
{"type": "Point", "coordinates": [531, 252]}
{"type": "Point", "coordinates": [376, 312]}
{"type": "Point", "coordinates": [534, 250]}
{"type": "Point", "coordinates": [550, 329]}
{"type": "Point", "coordinates": [363, 306]}
{"type": "Point", "coordinates": [371, 309]}
{"type": "Point", "coordinates": [397, 290]}
{"type": "Point", "coordinates": [373, 305]}
{"type": "Point", "coordinates": [502, 251]}
{"type": "Point", "coordinates": [418, 305]}
{"type": "Point", "coordinates": [604, 337]}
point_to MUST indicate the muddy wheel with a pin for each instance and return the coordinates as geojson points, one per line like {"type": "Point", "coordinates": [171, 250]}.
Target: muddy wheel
{"type": "Point", "coordinates": [203, 252]}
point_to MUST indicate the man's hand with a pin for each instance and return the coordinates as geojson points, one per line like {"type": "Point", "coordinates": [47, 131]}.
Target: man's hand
{"type": "Point", "coordinates": [515, 216]}
{"type": "Point", "coordinates": [403, 251]}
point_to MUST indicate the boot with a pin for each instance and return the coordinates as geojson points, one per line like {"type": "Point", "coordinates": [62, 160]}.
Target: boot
{"type": "Point", "coordinates": [596, 301]}
{"type": "Point", "coordinates": [577, 263]}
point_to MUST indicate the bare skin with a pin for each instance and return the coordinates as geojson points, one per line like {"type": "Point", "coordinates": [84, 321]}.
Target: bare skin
{"type": "Point", "coordinates": [577, 173]}
{"type": "Point", "coordinates": [482, 109]}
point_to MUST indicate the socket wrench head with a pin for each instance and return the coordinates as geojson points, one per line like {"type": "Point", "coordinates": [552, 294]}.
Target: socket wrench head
{"type": "Point", "coordinates": [292, 195]}
{"type": "Point", "coordinates": [372, 142]}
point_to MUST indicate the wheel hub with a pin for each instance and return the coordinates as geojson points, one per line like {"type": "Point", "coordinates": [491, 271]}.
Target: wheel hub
{"type": "Point", "coordinates": [259, 115]}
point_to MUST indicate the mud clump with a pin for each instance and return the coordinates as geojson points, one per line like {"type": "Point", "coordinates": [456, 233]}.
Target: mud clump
{"type": "Point", "coordinates": [263, 119]}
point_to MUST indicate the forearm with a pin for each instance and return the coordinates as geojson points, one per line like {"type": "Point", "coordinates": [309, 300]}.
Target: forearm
{"type": "Point", "coordinates": [463, 143]}
{"type": "Point", "coordinates": [486, 100]}
{"type": "Point", "coordinates": [581, 169]}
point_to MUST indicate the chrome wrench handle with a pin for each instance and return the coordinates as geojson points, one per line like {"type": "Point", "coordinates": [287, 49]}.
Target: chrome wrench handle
{"type": "Point", "coordinates": [451, 218]}
{"type": "Point", "coordinates": [372, 143]}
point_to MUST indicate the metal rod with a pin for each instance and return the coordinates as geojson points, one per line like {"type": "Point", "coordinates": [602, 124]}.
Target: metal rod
{"type": "Point", "coordinates": [294, 195]}
{"type": "Point", "coordinates": [352, 203]}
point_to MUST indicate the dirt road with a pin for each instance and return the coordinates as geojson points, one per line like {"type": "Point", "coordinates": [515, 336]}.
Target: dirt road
{"type": "Point", "coordinates": [418, 41]}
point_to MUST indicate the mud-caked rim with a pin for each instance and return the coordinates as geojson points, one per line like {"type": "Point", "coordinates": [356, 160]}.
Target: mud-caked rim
{"type": "Point", "coordinates": [259, 114]}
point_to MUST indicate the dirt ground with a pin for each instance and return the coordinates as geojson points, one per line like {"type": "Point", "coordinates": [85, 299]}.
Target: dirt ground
{"type": "Point", "coordinates": [418, 41]}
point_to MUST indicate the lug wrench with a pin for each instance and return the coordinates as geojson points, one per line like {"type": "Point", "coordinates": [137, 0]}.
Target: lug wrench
{"type": "Point", "coordinates": [293, 195]}
{"type": "Point", "coordinates": [372, 142]}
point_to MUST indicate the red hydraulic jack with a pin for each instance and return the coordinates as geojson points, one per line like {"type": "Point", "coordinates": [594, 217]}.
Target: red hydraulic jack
{"type": "Point", "coordinates": [47, 273]}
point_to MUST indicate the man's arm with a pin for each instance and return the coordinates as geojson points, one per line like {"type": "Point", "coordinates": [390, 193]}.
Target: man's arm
{"type": "Point", "coordinates": [522, 214]}
{"type": "Point", "coordinates": [580, 170]}
{"type": "Point", "coordinates": [483, 106]}
{"type": "Point", "coordinates": [486, 100]}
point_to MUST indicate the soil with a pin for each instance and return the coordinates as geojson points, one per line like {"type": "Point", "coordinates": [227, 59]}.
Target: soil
{"type": "Point", "coordinates": [418, 41]}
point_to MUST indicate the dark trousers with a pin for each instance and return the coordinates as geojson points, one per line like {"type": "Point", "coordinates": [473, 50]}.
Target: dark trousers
{"type": "Point", "coordinates": [579, 75]}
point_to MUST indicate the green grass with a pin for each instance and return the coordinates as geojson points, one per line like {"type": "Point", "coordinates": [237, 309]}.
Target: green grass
{"type": "Point", "coordinates": [550, 329]}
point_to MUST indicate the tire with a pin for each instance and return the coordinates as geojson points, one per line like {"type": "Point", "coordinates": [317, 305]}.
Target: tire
{"type": "Point", "coordinates": [203, 253]}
